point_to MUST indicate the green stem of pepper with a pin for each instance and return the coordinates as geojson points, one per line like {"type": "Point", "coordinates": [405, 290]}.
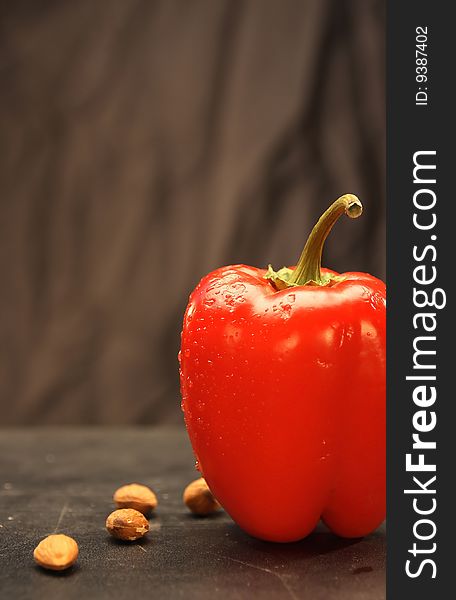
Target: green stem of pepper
{"type": "Point", "coordinates": [308, 269]}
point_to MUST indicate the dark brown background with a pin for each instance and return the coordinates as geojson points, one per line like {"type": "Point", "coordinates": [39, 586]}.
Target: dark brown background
{"type": "Point", "coordinates": [144, 143]}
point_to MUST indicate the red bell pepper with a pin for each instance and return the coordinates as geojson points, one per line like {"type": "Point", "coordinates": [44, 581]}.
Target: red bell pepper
{"type": "Point", "coordinates": [283, 392]}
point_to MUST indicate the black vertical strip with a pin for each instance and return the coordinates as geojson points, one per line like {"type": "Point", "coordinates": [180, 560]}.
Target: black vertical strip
{"type": "Point", "coordinates": [413, 128]}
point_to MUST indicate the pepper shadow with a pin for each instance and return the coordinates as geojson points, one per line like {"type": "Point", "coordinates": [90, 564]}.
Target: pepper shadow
{"type": "Point", "coordinates": [220, 514]}
{"type": "Point", "coordinates": [321, 545]}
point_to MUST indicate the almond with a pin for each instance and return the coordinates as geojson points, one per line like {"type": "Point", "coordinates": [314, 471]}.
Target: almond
{"type": "Point", "coordinates": [136, 496]}
{"type": "Point", "coordinates": [127, 524]}
{"type": "Point", "coordinates": [56, 552]}
{"type": "Point", "coordinates": [199, 499]}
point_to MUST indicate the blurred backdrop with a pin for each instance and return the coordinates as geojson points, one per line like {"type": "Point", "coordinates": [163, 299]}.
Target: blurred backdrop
{"type": "Point", "coordinates": [144, 143]}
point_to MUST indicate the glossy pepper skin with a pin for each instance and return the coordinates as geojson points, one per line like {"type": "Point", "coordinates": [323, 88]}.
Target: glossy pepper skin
{"type": "Point", "coordinates": [283, 392]}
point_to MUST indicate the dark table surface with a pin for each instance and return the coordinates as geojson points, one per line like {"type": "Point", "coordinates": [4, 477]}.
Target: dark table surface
{"type": "Point", "coordinates": [61, 480]}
